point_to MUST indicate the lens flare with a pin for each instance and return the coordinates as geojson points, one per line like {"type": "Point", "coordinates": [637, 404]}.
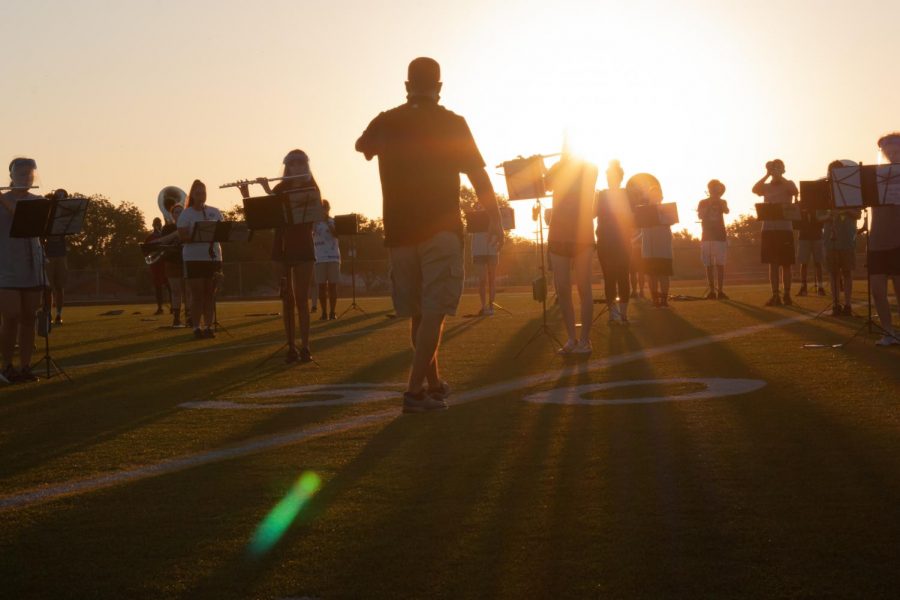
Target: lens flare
{"type": "Point", "coordinates": [279, 519]}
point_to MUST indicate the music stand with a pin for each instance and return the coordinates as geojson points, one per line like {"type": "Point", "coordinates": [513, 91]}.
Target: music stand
{"type": "Point", "coordinates": [41, 218]}
{"type": "Point", "coordinates": [478, 221]}
{"type": "Point", "coordinates": [211, 232]}
{"type": "Point", "coordinates": [525, 181]}
{"type": "Point", "coordinates": [348, 225]}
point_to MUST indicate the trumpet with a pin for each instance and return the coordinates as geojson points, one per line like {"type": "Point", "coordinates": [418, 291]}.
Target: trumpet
{"type": "Point", "coordinates": [243, 182]}
{"type": "Point", "coordinates": [15, 187]}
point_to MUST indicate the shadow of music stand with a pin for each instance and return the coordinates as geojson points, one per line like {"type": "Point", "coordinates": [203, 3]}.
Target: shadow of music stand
{"type": "Point", "coordinates": [42, 218]}
{"type": "Point", "coordinates": [211, 232]}
{"type": "Point", "coordinates": [525, 181]}
{"type": "Point", "coordinates": [290, 207]}
{"type": "Point", "coordinates": [348, 225]}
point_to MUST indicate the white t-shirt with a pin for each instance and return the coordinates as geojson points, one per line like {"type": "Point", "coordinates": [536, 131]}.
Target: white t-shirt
{"type": "Point", "coordinates": [199, 250]}
{"type": "Point", "coordinates": [327, 248]}
{"type": "Point", "coordinates": [481, 245]}
{"type": "Point", "coordinates": [782, 192]}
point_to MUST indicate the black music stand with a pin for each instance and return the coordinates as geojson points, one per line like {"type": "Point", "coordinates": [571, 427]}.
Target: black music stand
{"type": "Point", "coordinates": [42, 218]}
{"type": "Point", "coordinates": [525, 181]}
{"type": "Point", "coordinates": [348, 225]}
{"type": "Point", "coordinates": [211, 232]}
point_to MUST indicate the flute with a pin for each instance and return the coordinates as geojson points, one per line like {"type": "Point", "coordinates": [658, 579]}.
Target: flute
{"type": "Point", "coordinates": [249, 181]}
{"type": "Point", "coordinates": [13, 187]}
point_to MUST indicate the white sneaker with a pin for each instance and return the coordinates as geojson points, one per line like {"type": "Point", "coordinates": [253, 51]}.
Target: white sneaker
{"type": "Point", "coordinates": [583, 348]}
{"type": "Point", "coordinates": [888, 340]}
{"type": "Point", "coordinates": [569, 348]}
{"type": "Point", "coordinates": [614, 316]}
{"type": "Point", "coordinates": [488, 311]}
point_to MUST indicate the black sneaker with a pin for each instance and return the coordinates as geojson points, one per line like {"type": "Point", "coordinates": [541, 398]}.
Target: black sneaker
{"type": "Point", "coordinates": [209, 333]}
{"type": "Point", "coordinates": [836, 310]}
{"type": "Point", "coordinates": [847, 311]}
{"type": "Point", "coordinates": [305, 356]}
{"type": "Point", "coordinates": [198, 334]}
{"type": "Point", "coordinates": [787, 300]}
{"type": "Point", "coordinates": [332, 317]}
{"type": "Point", "coordinates": [421, 402]}
{"type": "Point", "coordinates": [292, 356]}
{"type": "Point", "coordinates": [26, 375]}
{"type": "Point", "coordinates": [324, 316]}
{"type": "Point", "coordinates": [820, 290]}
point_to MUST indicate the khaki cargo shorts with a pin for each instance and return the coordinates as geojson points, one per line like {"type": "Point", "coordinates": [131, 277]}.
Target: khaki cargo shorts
{"type": "Point", "coordinates": [428, 277]}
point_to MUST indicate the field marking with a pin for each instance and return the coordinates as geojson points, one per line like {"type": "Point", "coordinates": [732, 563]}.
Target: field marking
{"type": "Point", "coordinates": [714, 388]}
{"type": "Point", "coordinates": [254, 446]}
{"type": "Point", "coordinates": [350, 393]}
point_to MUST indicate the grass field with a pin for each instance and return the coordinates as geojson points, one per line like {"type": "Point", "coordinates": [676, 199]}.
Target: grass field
{"type": "Point", "coordinates": [110, 487]}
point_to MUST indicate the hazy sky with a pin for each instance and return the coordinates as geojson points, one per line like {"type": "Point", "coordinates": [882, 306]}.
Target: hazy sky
{"type": "Point", "coordinates": [124, 98]}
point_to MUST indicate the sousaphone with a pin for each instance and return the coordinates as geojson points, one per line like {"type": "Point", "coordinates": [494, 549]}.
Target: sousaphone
{"type": "Point", "coordinates": [171, 195]}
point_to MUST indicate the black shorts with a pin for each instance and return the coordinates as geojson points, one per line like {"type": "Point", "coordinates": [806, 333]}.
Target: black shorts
{"type": "Point", "coordinates": [657, 267]}
{"type": "Point", "coordinates": [884, 262]}
{"type": "Point", "coordinates": [201, 269]}
{"type": "Point", "coordinates": [777, 248]}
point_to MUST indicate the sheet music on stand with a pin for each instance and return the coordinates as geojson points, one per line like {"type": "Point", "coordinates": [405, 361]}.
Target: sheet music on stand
{"type": "Point", "coordinates": [304, 206]}
{"type": "Point", "coordinates": [654, 215]}
{"type": "Point", "coordinates": [862, 186]}
{"type": "Point", "coordinates": [220, 231]}
{"type": "Point", "coordinates": [68, 217]}
{"type": "Point", "coordinates": [887, 179]}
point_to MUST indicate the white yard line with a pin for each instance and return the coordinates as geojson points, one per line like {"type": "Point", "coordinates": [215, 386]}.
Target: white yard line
{"type": "Point", "coordinates": [254, 446]}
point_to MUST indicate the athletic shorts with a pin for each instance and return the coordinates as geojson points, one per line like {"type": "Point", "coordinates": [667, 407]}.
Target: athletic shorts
{"type": "Point", "coordinates": [657, 267]}
{"type": "Point", "coordinates": [328, 272]}
{"type": "Point", "coordinates": [810, 249]}
{"type": "Point", "coordinates": [486, 259]}
{"type": "Point", "coordinates": [777, 248]}
{"type": "Point", "coordinates": [713, 253]}
{"type": "Point", "coordinates": [427, 277]}
{"type": "Point", "coordinates": [201, 269]}
{"type": "Point", "coordinates": [840, 260]}
{"type": "Point", "coordinates": [57, 272]}
{"type": "Point", "coordinates": [884, 262]}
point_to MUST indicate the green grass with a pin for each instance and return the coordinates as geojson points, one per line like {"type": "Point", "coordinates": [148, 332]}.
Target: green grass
{"type": "Point", "coordinates": [790, 491]}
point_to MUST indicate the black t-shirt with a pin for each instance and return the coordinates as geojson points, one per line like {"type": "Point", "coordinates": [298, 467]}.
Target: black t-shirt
{"type": "Point", "coordinates": [422, 148]}
{"type": "Point", "coordinates": [712, 220]}
{"type": "Point", "coordinates": [808, 227]}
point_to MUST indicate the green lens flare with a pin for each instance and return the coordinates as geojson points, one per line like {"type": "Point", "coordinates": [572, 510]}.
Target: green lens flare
{"type": "Point", "coordinates": [279, 519]}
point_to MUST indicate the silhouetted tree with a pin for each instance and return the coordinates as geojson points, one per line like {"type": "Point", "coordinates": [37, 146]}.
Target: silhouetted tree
{"type": "Point", "coordinates": [111, 236]}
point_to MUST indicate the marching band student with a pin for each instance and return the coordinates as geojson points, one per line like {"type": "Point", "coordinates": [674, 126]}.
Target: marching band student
{"type": "Point", "coordinates": [656, 249]}
{"type": "Point", "coordinates": [615, 229]}
{"type": "Point", "coordinates": [158, 269]}
{"type": "Point", "coordinates": [777, 242]}
{"type": "Point", "coordinates": [810, 248]}
{"type": "Point", "coordinates": [202, 260]}
{"type": "Point", "coordinates": [486, 255]}
{"type": "Point", "coordinates": [884, 249]}
{"type": "Point", "coordinates": [293, 250]}
{"type": "Point", "coordinates": [570, 240]}
{"type": "Point", "coordinates": [714, 240]}
{"type": "Point", "coordinates": [21, 277]}
{"type": "Point", "coordinates": [328, 262]}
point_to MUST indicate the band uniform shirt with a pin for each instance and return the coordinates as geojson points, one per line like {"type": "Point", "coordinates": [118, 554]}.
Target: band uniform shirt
{"type": "Point", "coordinates": [422, 148]}
{"type": "Point", "coordinates": [199, 251]}
{"type": "Point", "coordinates": [839, 231]}
{"type": "Point", "coordinates": [573, 183]}
{"type": "Point", "coordinates": [56, 246]}
{"type": "Point", "coordinates": [615, 221]}
{"type": "Point", "coordinates": [782, 192]}
{"type": "Point", "coordinates": [809, 226]}
{"type": "Point", "coordinates": [327, 248]}
{"type": "Point", "coordinates": [712, 220]}
{"type": "Point", "coordinates": [884, 231]}
{"type": "Point", "coordinates": [21, 259]}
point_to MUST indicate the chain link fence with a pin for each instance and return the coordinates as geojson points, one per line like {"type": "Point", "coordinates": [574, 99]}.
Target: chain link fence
{"type": "Point", "coordinates": [259, 280]}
